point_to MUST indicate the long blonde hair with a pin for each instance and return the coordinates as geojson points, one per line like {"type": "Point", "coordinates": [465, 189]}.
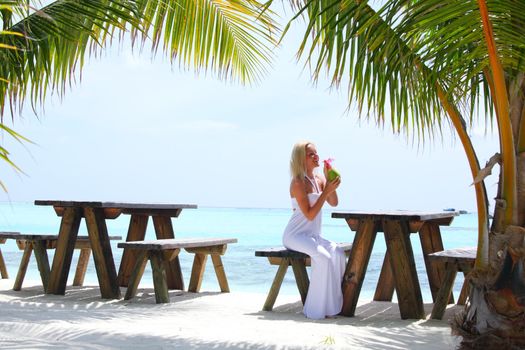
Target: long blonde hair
{"type": "Point", "coordinates": [297, 160]}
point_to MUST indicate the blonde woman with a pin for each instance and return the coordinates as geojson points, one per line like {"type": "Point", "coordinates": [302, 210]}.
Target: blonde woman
{"type": "Point", "coordinates": [309, 192]}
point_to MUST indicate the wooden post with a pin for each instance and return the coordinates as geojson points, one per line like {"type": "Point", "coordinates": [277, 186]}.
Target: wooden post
{"type": "Point", "coordinates": [301, 277]}
{"type": "Point", "coordinates": [276, 285]}
{"type": "Point", "coordinates": [385, 284]}
{"type": "Point", "coordinates": [102, 255]}
{"type": "Point", "coordinates": [219, 271]}
{"type": "Point", "coordinates": [197, 272]}
{"type": "Point", "coordinates": [23, 267]}
{"type": "Point", "coordinates": [403, 266]}
{"type": "Point", "coordinates": [357, 263]}
{"type": "Point", "coordinates": [164, 229]}
{"type": "Point", "coordinates": [465, 289]}
{"type": "Point", "coordinates": [42, 261]}
{"type": "Point", "coordinates": [64, 250]}
{"type": "Point", "coordinates": [3, 268]}
{"type": "Point", "coordinates": [141, 259]}
{"type": "Point", "coordinates": [159, 277]}
{"type": "Point", "coordinates": [83, 261]}
{"type": "Point", "coordinates": [136, 232]}
{"type": "Point", "coordinates": [444, 292]}
{"type": "Point", "coordinates": [431, 242]}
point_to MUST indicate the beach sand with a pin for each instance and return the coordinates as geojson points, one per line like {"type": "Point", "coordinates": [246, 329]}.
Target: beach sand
{"type": "Point", "coordinates": [29, 319]}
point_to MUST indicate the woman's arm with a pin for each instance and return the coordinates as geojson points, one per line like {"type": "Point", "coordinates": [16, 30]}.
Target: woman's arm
{"type": "Point", "coordinates": [298, 190]}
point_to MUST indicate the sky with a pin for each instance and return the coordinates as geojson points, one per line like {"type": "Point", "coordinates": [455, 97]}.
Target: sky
{"type": "Point", "coordinates": [136, 128]}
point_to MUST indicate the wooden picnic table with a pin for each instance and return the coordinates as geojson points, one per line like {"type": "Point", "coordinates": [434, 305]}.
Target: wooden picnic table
{"type": "Point", "coordinates": [399, 269]}
{"type": "Point", "coordinates": [95, 214]}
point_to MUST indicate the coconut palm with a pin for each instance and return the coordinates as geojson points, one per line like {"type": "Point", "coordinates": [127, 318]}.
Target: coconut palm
{"type": "Point", "coordinates": [432, 63]}
{"type": "Point", "coordinates": [43, 48]}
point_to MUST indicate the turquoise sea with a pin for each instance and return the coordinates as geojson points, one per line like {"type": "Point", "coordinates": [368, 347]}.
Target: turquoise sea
{"type": "Point", "coordinates": [254, 229]}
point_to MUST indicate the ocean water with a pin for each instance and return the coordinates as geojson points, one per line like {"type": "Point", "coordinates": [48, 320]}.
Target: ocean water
{"type": "Point", "coordinates": [254, 228]}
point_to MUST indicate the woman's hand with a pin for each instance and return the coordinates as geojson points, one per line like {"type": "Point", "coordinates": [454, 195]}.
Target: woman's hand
{"type": "Point", "coordinates": [331, 186]}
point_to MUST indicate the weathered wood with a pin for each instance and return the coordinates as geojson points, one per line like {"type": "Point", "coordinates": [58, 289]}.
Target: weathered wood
{"type": "Point", "coordinates": [395, 215]}
{"type": "Point", "coordinates": [276, 285]}
{"type": "Point", "coordinates": [357, 264]}
{"type": "Point", "coordinates": [136, 232]}
{"type": "Point", "coordinates": [445, 291]}
{"type": "Point", "coordinates": [82, 264]}
{"type": "Point", "coordinates": [278, 261]}
{"type": "Point", "coordinates": [164, 230]}
{"type": "Point", "coordinates": [141, 259]}
{"type": "Point", "coordinates": [23, 267]}
{"type": "Point", "coordinates": [467, 255]}
{"type": "Point", "coordinates": [465, 290]}
{"type": "Point", "coordinates": [175, 243]}
{"type": "Point", "coordinates": [386, 284]}
{"type": "Point", "coordinates": [102, 254]}
{"type": "Point", "coordinates": [282, 252]}
{"type": "Point", "coordinates": [403, 267]}
{"type": "Point", "coordinates": [301, 277]}
{"type": "Point", "coordinates": [160, 277]}
{"type": "Point", "coordinates": [64, 251]}
{"type": "Point", "coordinates": [197, 272]}
{"type": "Point", "coordinates": [3, 267]}
{"type": "Point", "coordinates": [117, 205]}
{"type": "Point", "coordinates": [220, 273]}
{"type": "Point", "coordinates": [431, 242]}
{"type": "Point", "coordinates": [42, 261]}
{"type": "Point", "coordinates": [214, 249]}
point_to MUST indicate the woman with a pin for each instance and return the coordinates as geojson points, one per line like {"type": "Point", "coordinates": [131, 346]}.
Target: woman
{"type": "Point", "coordinates": [309, 192]}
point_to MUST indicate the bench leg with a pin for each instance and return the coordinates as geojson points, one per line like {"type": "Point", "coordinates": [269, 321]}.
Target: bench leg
{"type": "Point", "coordinates": [3, 268]}
{"type": "Point", "coordinates": [83, 261]}
{"type": "Point", "coordinates": [276, 285]}
{"type": "Point", "coordinates": [160, 282]}
{"type": "Point", "coordinates": [301, 277]}
{"type": "Point", "coordinates": [23, 267]}
{"type": "Point", "coordinates": [385, 284]}
{"type": "Point", "coordinates": [42, 261]}
{"type": "Point", "coordinates": [465, 289]}
{"type": "Point", "coordinates": [197, 272]}
{"type": "Point", "coordinates": [164, 229]}
{"type": "Point", "coordinates": [136, 232]}
{"type": "Point", "coordinates": [444, 292]}
{"type": "Point", "coordinates": [136, 274]}
{"type": "Point", "coordinates": [219, 271]}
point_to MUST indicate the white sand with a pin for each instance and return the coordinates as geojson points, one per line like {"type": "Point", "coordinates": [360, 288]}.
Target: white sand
{"type": "Point", "coordinates": [30, 319]}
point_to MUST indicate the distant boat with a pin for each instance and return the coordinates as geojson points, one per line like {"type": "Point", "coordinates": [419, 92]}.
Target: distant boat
{"type": "Point", "coordinates": [449, 209]}
{"type": "Point", "coordinates": [463, 212]}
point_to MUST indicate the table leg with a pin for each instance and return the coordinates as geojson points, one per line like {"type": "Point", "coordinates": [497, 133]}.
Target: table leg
{"type": "Point", "coordinates": [431, 242]}
{"type": "Point", "coordinates": [386, 284]}
{"type": "Point", "coordinates": [42, 261]}
{"type": "Point", "coordinates": [102, 255]}
{"type": "Point", "coordinates": [83, 261]}
{"type": "Point", "coordinates": [357, 263]}
{"type": "Point", "coordinates": [408, 290]}
{"type": "Point", "coordinates": [164, 230]}
{"type": "Point", "coordinates": [136, 232]}
{"type": "Point", "coordinates": [28, 250]}
{"type": "Point", "coordinates": [67, 237]}
{"type": "Point", "coordinates": [3, 269]}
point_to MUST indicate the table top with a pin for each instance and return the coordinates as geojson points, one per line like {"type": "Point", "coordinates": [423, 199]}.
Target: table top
{"type": "Point", "coordinates": [115, 205]}
{"type": "Point", "coordinates": [395, 215]}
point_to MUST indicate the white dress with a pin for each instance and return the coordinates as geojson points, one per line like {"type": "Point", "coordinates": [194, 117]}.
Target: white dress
{"type": "Point", "coordinates": [325, 297]}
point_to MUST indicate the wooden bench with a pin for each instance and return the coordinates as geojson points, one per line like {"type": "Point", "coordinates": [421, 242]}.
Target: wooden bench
{"type": "Point", "coordinates": [459, 259]}
{"type": "Point", "coordinates": [299, 261]}
{"type": "Point", "coordinates": [161, 252]}
{"type": "Point", "coordinates": [39, 243]}
{"type": "Point", "coordinates": [3, 267]}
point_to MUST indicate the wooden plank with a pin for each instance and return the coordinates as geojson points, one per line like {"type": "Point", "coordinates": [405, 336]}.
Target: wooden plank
{"type": "Point", "coordinates": [159, 277]}
{"type": "Point", "coordinates": [214, 249]}
{"type": "Point", "coordinates": [23, 267]}
{"type": "Point", "coordinates": [282, 252]}
{"type": "Point", "coordinates": [102, 254]}
{"type": "Point", "coordinates": [3, 268]}
{"type": "Point", "coordinates": [83, 261]}
{"type": "Point", "coordinates": [136, 274]}
{"type": "Point", "coordinates": [219, 272]}
{"type": "Point", "coordinates": [276, 285]}
{"type": "Point", "coordinates": [64, 251]}
{"type": "Point", "coordinates": [357, 265]}
{"type": "Point", "coordinates": [403, 267]}
{"type": "Point", "coordinates": [465, 289]}
{"type": "Point", "coordinates": [386, 284]}
{"type": "Point", "coordinates": [117, 205]}
{"type": "Point", "coordinates": [444, 292]}
{"type": "Point", "coordinates": [431, 242]}
{"type": "Point", "coordinates": [394, 215]}
{"type": "Point", "coordinates": [172, 243]}
{"type": "Point", "coordinates": [197, 272]}
{"type": "Point", "coordinates": [301, 277]}
{"type": "Point", "coordinates": [164, 230]}
{"type": "Point", "coordinates": [466, 255]}
{"type": "Point", "coordinates": [153, 212]}
{"type": "Point", "coordinates": [42, 261]}
{"type": "Point", "coordinates": [136, 232]}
